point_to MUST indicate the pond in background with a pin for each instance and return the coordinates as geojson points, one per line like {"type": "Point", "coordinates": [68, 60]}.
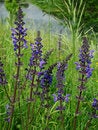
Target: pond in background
{"type": "Point", "coordinates": [34, 18]}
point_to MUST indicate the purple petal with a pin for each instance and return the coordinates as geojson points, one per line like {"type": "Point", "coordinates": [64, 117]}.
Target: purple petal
{"type": "Point", "coordinates": [55, 97]}
{"type": "Point", "coordinates": [67, 97]}
{"type": "Point", "coordinates": [91, 53]}
{"type": "Point", "coordinates": [42, 62]}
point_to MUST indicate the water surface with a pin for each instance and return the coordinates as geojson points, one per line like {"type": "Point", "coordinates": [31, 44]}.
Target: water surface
{"type": "Point", "coordinates": [34, 18]}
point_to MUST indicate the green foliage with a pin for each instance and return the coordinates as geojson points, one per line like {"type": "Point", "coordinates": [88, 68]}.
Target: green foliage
{"type": "Point", "coordinates": [90, 15]}
{"type": "Point", "coordinates": [11, 6]}
{"type": "Point", "coordinates": [70, 13]}
{"type": "Point", "coordinates": [39, 122]}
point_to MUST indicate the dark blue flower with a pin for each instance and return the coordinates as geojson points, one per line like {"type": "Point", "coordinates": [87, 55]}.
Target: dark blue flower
{"type": "Point", "coordinates": [67, 97]}
{"type": "Point", "coordinates": [60, 75]}
{"type": "Point", "coordinates": [46, 79]}
{"type": "Point", "coordinates": [85, 57]}
{"type": "Point", "coordinates": [91, 53]}
{"type": "Point", "coordinates": [85, 70]}
{"type": "Point", "coordinates": [42, 63]}
{"type": "Point", "coordinates": [36, 52]}
{"type": "Point", "coordinates": [89, 71]}
{"type": "Point", "coordinates": [19, 33]}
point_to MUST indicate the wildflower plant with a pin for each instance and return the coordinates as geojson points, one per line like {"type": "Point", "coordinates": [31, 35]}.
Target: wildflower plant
{"type": "Point", "coordinates": [19, 42]}
{"type": "Point", "coordinates": [35, 59]}
{"type": "Point", "coordinates": [60, 83]}
{"type": "Point", "coordinates": [34, 64]}
{"type": "Point", "coordinates": [46, 78]}
{"type": "Point", "coordinates": [85, 70]}
{"type": "Point", "coordinates": [60, 97]}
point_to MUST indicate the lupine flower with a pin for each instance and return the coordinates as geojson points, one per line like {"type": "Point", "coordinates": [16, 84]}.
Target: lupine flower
{"type": "Point", "coordinates": [60, 96]}
{"type": "Point", "coordinates": [83, 66]}
{"type": "Point", "coordinates": [3, 80]}
{"type": "Point", "coordinates": [60, 84]}
{"type": "Point", "coordinates": [85, 57]}
{"type": "Point", "coordinates": [33, 65]}
{"type": "Point", "coordinates": [45, 82]}
{"type": "Point", "coordinates": [35, 58]}
{"type": "Point", "coordinates": [35, 62]}
{"type": "Point", "coordinates": [43, 75]}
{"type": "Point", "coordinates": [36, 51]}
{"type": "Point", "coordinates": [19, 33]}
{"type": "Point", "coordinates": [19, 42]}
{"type": "Point", "coordinates": [46, 78]}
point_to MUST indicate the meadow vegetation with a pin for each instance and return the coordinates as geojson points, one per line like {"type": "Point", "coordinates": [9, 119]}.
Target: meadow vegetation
{"type": "Point", "coordinates": [40, 79]}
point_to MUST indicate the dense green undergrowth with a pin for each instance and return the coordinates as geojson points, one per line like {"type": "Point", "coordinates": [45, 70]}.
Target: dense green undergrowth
{"type": "Point", "coordinates": [39, 115]}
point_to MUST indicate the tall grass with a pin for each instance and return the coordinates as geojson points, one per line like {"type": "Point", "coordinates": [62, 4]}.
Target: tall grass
{"type": "Point", "coordinates": [73, 20]}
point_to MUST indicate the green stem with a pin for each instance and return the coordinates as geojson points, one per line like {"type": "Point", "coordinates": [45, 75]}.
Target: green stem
{"type": "Point", "coordinates": [87, 124]}
{"type": "Point", "coordinates": [78, 104]}
{"type": "Point", "coordinates": [16, 84]}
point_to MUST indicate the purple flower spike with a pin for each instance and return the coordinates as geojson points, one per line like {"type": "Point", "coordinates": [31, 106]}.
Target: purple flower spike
{"type": "Point", "coordinates": [45, 82]}
{"type": "Point", "coordinates": [85, 57]}
{"type": "Point", "coordinates": [36, 51]}
{"type": "Point", "coordinates": [46, 78]}
{"type": "Point", "coordinates": [19, 33]}
{"type": "Point", "coordinates": [83, 66]}
{"type": "Point", "coordinates": [61, 67]}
